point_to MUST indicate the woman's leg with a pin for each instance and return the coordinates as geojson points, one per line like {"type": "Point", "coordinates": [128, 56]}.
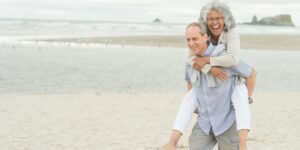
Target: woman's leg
{"type": "Point", "coordinates": [185, 112]}
{"type": "Point", "coordinates": [184, 115]}
{"type": "Point", "coordinates": [242, 112]}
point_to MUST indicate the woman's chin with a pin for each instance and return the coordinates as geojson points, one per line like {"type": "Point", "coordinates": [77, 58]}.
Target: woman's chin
{"type": "Point", "coordinates": [216, 33]}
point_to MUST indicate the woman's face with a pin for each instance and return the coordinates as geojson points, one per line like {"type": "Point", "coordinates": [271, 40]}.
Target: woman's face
{"type": "Point", "coordinates": [215, 22]}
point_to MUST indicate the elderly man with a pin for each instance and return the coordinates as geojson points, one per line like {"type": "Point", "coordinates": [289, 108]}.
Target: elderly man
{"type": "Point", "coordinates": [216, 119]}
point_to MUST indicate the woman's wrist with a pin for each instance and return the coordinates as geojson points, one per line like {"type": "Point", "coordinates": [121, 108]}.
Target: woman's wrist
{"type": "Point", "coordinates": [207, 60]}
{"type": "Point", "coordinates": [250, 100]}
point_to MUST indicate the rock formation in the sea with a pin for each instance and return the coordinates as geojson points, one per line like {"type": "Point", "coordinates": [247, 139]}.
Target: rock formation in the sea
{"type": "Point", "coordinates": [157, 20]}
{"type": "Point", "coordinates": [254, 20]}
{"type": "Point", "coordinates": [279, 20]}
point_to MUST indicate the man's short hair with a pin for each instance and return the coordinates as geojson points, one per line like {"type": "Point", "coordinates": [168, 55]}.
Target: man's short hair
{"type": "Point", "coordinates": [202, 27]}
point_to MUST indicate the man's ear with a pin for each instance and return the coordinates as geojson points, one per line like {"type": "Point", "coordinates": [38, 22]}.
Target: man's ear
{"type": "Point", "coordinates": [205, 36]}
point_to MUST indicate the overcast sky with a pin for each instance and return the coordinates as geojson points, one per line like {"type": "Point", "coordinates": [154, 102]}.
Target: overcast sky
{"type": "Point", "coordinates": [141, 10]}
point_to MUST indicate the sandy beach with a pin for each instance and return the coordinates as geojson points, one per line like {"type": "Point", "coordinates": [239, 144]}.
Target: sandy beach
{"type": "Point", "coordinates": [248, 41]}
{"type": "Point", "coordinates": [67, 96]}
{"type": "Point", "coordinates": [131, 122]}
{"type": "Point", "coordinates": [110, 74]}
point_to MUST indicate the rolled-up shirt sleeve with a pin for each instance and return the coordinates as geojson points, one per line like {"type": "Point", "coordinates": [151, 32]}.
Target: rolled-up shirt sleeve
{"type": "Point", "coordinates": [242, 69]}
{"type": "Point", "coordinates": [206, 68]}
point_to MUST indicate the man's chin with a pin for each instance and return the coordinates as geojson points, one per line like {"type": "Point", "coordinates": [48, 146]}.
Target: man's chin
{"type": "Point", "coordinates": [193, 51]}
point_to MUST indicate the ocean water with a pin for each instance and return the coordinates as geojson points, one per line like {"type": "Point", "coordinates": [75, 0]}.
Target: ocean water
{"type": "Point", "coordinates": [70, 68]}
{"type": "Point", "coordinates": [114, 69]}
{"type": "Point", "coordinates": [22, 29]}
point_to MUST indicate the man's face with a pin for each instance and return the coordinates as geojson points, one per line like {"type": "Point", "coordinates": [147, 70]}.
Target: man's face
{"type": "Point", "coordinates": [215, 22]}
{"type": "Point", "coordinates": [195, 41]}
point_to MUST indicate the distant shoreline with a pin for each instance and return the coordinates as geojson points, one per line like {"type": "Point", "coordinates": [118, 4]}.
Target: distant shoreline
{"type": "Point", "coordinates": [248, 41]}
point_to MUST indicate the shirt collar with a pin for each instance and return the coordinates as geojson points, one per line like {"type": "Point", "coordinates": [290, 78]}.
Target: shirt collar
{"type": "Point", "coordinates": [209, 49]}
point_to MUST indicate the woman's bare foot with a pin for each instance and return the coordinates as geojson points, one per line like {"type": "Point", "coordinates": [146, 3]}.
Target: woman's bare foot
{"type": "Point", "coordinates": [168, 146]}
{"type": "Point", "coordinates": [171, 145]}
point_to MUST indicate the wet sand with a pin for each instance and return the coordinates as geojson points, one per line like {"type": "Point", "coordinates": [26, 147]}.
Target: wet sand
{"type": "Point", "coordinates": [273, 42]}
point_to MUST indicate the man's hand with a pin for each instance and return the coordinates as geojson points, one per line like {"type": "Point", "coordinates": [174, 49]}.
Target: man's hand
{"type": "Point", "coordinates": [219, 73]}
{"type": "Point", "coordinates": [199, 62]}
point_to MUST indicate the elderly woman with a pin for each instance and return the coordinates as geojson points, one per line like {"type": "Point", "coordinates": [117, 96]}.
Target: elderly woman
{"type": "Point", "coordinates": [223, 35]}
{"type": "Point", "coordinates": [221, 31]}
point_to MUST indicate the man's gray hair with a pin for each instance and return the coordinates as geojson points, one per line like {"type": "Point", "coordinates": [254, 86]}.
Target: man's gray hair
{"type": "Point", "coordinates": [223, 9]}
{"type": "Point", "coordinates": [201, 26]}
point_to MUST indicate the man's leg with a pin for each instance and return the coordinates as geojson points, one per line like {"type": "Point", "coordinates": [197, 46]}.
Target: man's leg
{"type": "Point", "coordinates": [199, 141]}
{"type": "Point", "coordinates": [229, 140]}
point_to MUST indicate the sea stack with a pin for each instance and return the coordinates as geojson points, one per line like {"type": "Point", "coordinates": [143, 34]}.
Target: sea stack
{"type": "Point", "coordinates": [279, 20]}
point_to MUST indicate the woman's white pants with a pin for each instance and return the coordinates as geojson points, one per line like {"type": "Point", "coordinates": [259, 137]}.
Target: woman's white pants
{"type": "Point", "coordinates": [239, 100]}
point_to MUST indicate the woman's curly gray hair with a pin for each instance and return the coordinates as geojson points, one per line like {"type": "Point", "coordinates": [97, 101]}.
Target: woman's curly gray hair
{"type": "Point", "coordinates": [223, 9]}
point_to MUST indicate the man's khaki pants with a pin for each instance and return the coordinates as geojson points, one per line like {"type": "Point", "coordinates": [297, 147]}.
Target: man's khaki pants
{"type": "Point", "coordinates": [228, 140]}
